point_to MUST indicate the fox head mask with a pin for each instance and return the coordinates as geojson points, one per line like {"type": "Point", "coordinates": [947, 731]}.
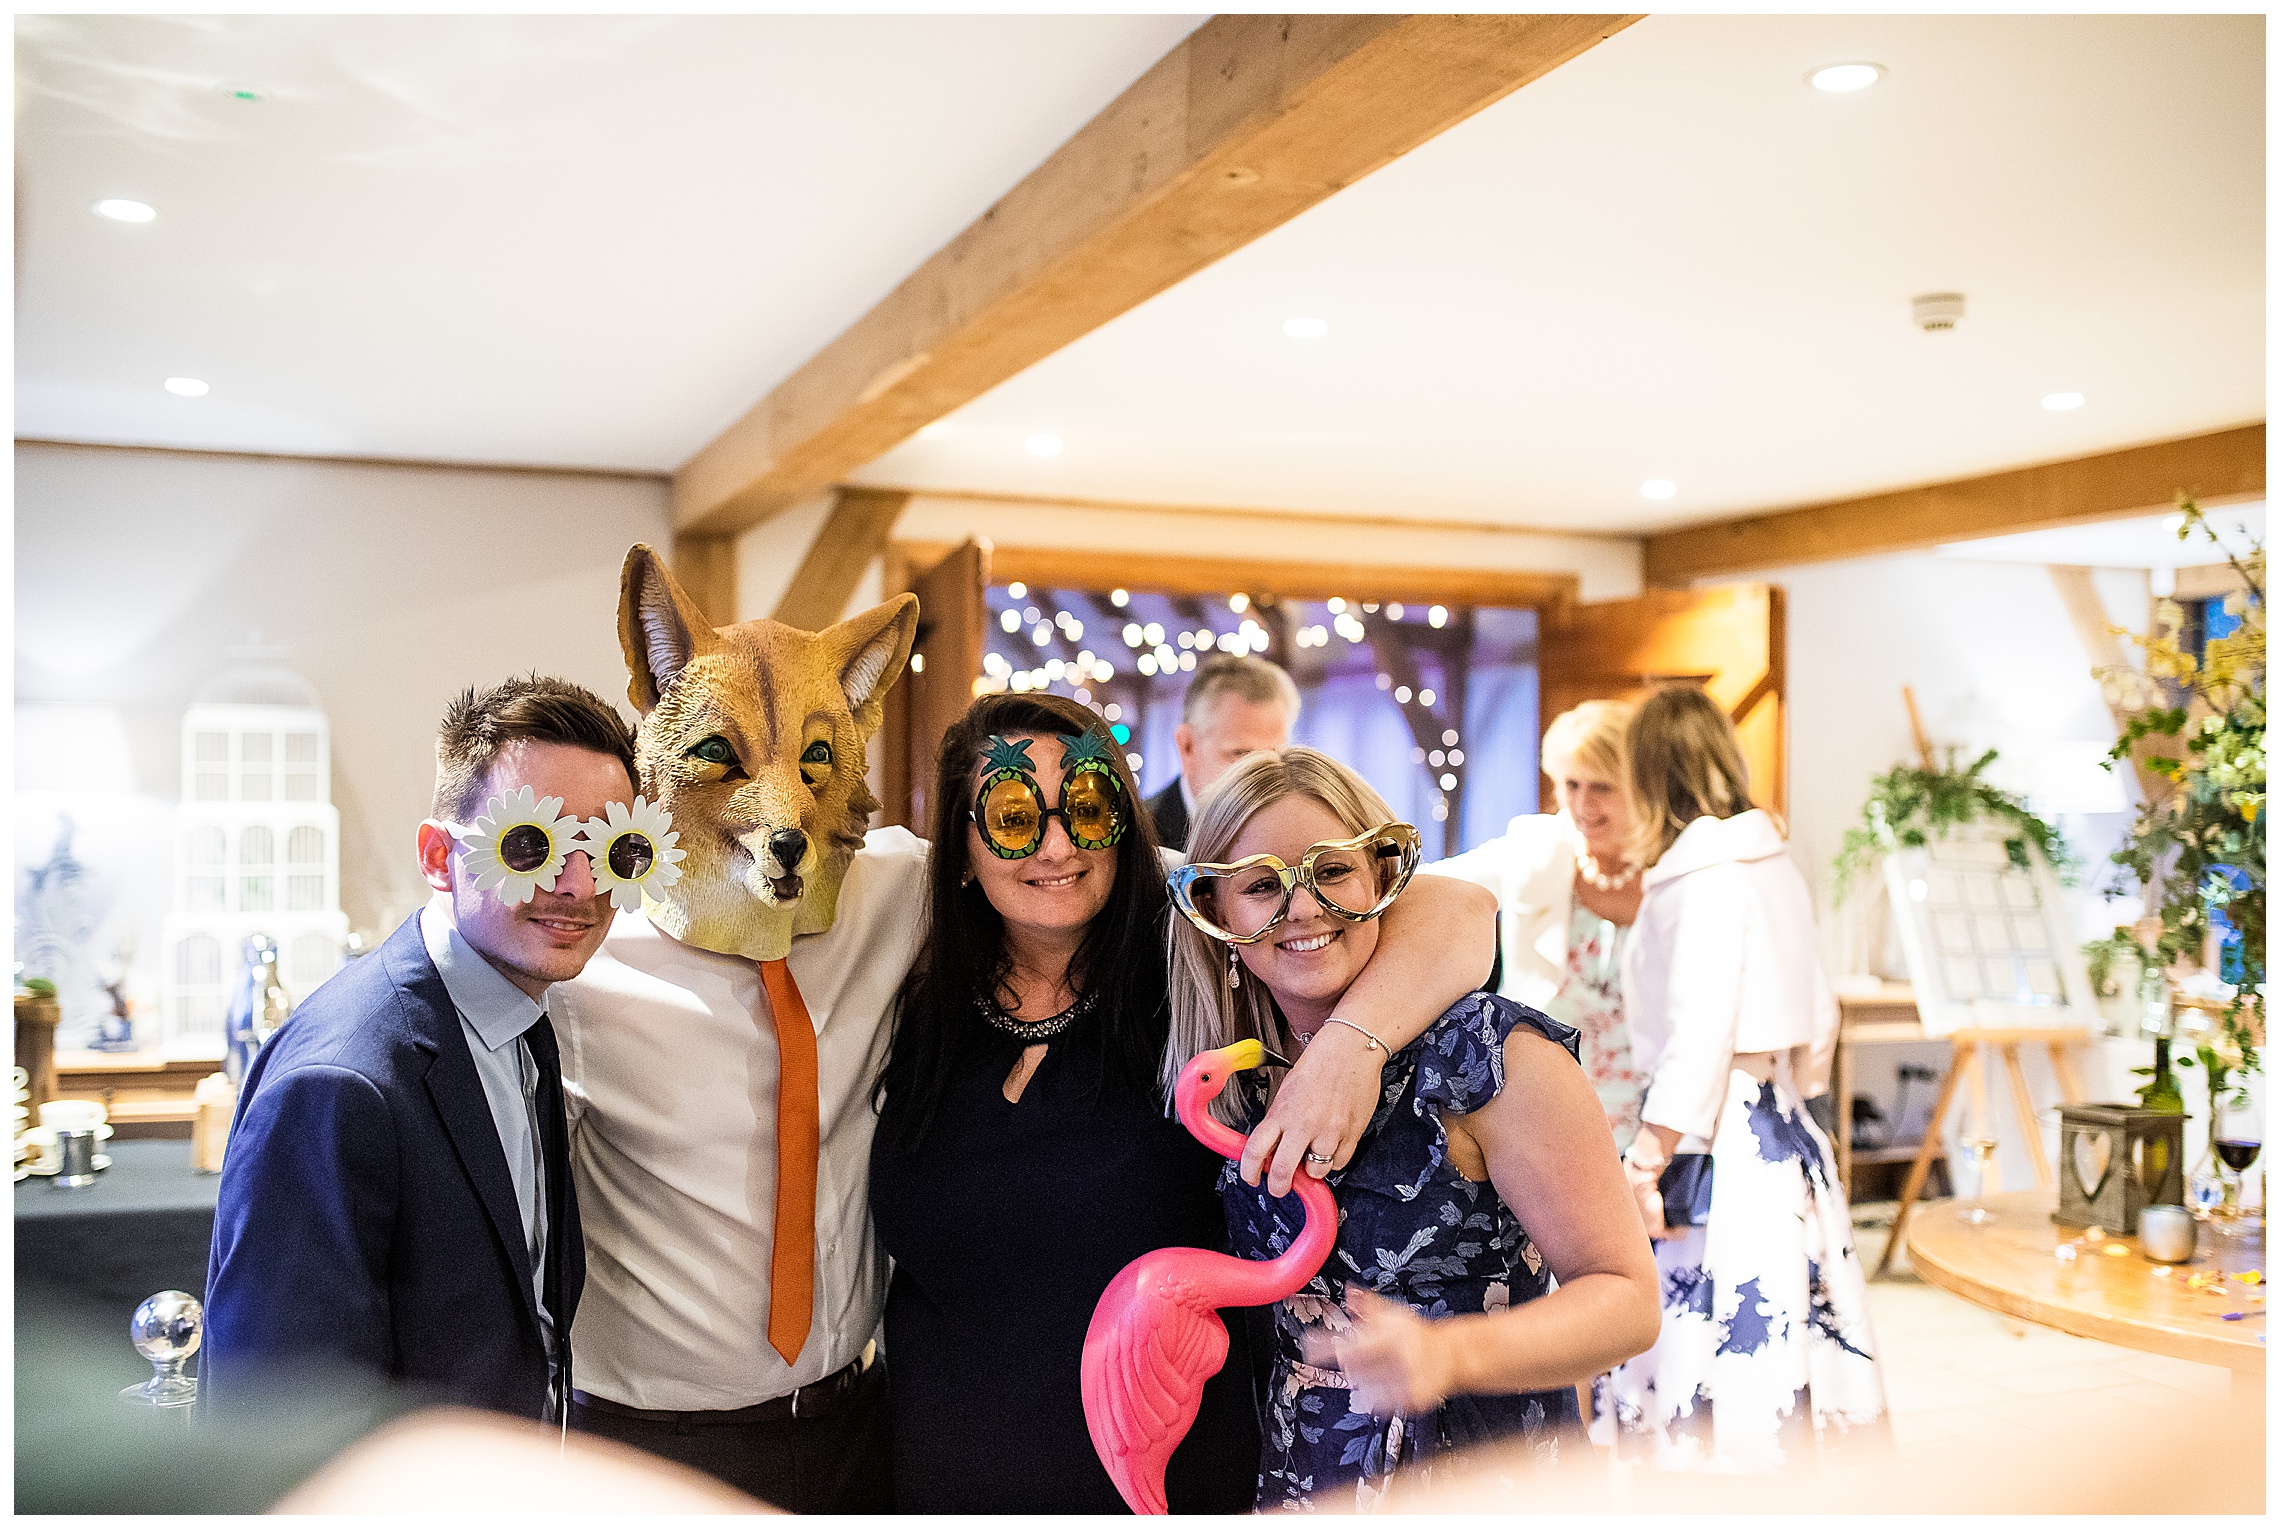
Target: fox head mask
{"type": "Point", "coordinates": [755, 738]}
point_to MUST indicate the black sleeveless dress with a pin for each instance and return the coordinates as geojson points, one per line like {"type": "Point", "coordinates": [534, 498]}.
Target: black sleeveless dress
{"type": "Point", "coordinates": [1005, 1227]}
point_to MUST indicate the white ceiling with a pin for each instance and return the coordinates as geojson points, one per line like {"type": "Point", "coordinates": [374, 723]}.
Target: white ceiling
{"type": "Point", "coordinates": [586, 241]}
{"type": "Point", "coordinates": [2149, 541]}
{"type": "Point", "coordinates": [594, 241]}
{"type": "Point", "coordinates": [1672, 259]}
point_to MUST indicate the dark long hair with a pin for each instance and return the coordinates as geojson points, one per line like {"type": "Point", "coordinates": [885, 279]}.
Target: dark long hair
{"type": "Point", "coordinates": [1122, 956]}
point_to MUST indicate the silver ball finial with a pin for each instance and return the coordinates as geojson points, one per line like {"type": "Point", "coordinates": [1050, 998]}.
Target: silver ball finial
{"type": "Point", "coordinates": [167, 1330]}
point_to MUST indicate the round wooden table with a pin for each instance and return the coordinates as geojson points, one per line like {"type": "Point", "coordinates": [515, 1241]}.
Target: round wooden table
{"type": "Point", "coordinates": [2011, 1264]}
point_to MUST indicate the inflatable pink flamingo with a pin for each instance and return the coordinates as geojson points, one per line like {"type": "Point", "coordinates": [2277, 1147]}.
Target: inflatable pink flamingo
{"type": "Point", "coordinates": [1156, 1336]}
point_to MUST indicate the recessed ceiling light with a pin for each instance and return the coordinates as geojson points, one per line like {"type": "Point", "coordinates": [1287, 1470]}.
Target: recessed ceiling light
{"type": "Point", "coordinates": [2059, 403]}
{"type": "Point", "coordinates": [187, 387]}
{"type": "Point", "coordinates": [1042, 445]}
{"type": "Point", "coordinates": [1306, 329]}
{"type": "Point", "coordinates": [120, 210]}
{"type": "Point", "coordinates": [1658, 488]}
{"type": "Point", "coordinates": [1841, 79]}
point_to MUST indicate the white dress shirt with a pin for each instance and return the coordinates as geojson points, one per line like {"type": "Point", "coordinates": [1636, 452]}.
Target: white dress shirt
{"type": "Point", "coordinates": [494, 1014]}
{"type": "Point", "coordinates": [669, 1061]}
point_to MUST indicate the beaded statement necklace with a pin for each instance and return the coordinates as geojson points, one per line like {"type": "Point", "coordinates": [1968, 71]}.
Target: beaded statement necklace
{"type": "Point", "coordinates": [1036, 1029]}
{"type": "Point", "coordinates": [1588, 868]}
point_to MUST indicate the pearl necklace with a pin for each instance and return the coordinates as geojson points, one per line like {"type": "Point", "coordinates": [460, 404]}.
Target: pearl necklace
{"type": "Point", "coordinates": [1588, 868]}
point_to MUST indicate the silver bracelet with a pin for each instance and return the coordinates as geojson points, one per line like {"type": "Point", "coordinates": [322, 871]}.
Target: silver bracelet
{"type": "Point", "coordinates": [1349, 1024]}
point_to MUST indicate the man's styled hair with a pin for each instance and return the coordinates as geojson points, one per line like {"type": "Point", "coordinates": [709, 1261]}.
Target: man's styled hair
{"type": "Point", "coordinates": [530, 708]}
{"type": "Point", "coordinates": [1237, 674]}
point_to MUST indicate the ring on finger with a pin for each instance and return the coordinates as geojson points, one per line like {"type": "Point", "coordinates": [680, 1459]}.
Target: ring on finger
{"type": "Point", "coordinates": [1321, 1157]}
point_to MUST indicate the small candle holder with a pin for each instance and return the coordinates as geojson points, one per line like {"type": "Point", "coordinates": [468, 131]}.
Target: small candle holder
{"type": "Point", "coordinates": [2165, 1233]}
{"type": "Point", "coordinates": [167, 1330]}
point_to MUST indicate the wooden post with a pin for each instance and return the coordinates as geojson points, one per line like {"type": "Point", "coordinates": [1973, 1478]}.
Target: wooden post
{"type": "Point", "coordinates": [1916, 726]}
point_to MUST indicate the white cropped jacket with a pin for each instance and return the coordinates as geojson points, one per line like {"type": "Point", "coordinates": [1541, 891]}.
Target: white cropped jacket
{"type": "Point", "coordinates": [1722, 962]}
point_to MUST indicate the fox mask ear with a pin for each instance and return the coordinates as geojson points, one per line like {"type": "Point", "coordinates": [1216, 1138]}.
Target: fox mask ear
{"type": "Point", "coordinates": [659, 626]}
{"type": "Point", "coordinates": [877, 644]}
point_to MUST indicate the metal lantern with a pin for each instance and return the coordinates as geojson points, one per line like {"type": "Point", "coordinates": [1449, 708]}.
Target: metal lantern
{"type": "Point", "coordinates": [2113, 1161]}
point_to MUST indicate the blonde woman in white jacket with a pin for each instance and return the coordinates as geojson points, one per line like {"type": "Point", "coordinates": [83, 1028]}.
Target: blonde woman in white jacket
{"type": "Point", "coordinates": [1765, 1356]}
{"type": "Point", "coordinates": [1567, 889]}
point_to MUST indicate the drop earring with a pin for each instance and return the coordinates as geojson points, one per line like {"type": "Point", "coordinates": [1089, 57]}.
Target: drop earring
{"type": "Point", "coordinates": [1234, 969]}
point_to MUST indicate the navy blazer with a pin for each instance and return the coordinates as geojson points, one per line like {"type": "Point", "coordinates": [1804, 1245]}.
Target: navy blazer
{"type": "Point", "coordinates": [367, 1218]}
{"type": "Point", "coordinates": [1168, 809]}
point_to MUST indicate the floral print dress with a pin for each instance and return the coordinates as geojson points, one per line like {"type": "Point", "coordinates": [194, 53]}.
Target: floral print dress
{"type": "Point", "coordinates": [1591, 999]}
{"type": "Point", "coordinates": [1415, 1230]}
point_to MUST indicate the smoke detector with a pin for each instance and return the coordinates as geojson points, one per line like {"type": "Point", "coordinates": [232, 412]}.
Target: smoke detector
{"type": "Point", "coordinates": [1936, 311]}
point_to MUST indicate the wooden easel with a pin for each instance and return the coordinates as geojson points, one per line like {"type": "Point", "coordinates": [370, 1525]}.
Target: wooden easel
{"type": "Point", "coordinates": [1974, 1055]}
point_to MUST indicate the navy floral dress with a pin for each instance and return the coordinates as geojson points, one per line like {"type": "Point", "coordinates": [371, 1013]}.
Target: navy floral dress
{"type": "Point", "coordinates": [1414, 1230]}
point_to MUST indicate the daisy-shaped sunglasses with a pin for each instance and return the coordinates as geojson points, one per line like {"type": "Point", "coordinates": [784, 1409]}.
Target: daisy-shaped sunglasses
{"type": "Point", "coordinates": [1009, 806]}
{"type": "Point", "coordinates": [1351, 879]}
{"type": "Point", "coordinates": [520, 841]}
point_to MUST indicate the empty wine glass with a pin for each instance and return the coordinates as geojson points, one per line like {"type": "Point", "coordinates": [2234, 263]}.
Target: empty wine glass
{"type": "Point", "coordinates": [1982, 1149]}
{"type": "Point", "coordinates": [2236, 1136]}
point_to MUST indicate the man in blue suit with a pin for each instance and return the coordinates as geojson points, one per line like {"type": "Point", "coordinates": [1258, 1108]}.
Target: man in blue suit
{"type": "Point", "coordinates": [396, 1199]}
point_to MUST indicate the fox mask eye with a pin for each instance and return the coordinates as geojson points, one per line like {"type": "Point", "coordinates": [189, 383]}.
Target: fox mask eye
{"type": "Point", "coordinates": [815, 761]}
{"type": "Point", "coordinates": [716, 750]}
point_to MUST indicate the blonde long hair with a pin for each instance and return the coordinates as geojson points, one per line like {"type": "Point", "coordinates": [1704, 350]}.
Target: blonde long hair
{"type": "Point", "coordinates": [1686, 763]}
{"type": "Point", "coordinates": [1206, 1013]}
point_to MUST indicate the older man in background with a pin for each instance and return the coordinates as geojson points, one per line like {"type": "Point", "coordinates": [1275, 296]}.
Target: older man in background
{"type": "Point", "coordinates": [1236, 705]}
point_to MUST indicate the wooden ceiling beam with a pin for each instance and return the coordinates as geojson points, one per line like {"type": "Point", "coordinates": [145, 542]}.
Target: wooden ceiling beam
{"type": "Point", "coordinates": [853, 534]}
{"type": "Point", "coordinates": [2222, 465]}
{"type": "Point", "coordinates": [1247, 123]}
{"type": "Point", "coordinates": [1176, 574]}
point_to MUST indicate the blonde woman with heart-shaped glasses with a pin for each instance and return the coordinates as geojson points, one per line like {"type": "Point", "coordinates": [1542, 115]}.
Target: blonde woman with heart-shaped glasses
{"type": "Point", "coordinates": [1488, 1256]}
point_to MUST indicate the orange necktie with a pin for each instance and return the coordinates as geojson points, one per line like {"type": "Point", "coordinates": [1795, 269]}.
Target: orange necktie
{"type": "Point", "coordinates": [791, 1273]}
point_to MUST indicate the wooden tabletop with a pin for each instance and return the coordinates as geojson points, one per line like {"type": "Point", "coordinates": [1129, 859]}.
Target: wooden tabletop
{"type": "Point", "coordinates": [2011, 1264]}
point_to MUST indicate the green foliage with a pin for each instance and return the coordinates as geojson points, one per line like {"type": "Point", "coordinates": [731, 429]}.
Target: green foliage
{"type": "Point", "coordinates": [2200, 849]}
{"type": "Point", "coordinates": [1908, 807]}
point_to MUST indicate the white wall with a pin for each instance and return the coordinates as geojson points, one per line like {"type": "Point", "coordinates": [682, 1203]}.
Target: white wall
{"type": "Point", "coordinates": [393, 587]}
{"type": "Point", "coordinates": [1987, 647]}
{"type": "Point", "coordinates": [1995, 662]}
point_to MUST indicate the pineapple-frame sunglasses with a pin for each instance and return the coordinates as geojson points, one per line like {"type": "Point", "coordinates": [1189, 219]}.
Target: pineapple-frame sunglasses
{"type": "Point", "coordinates": [1245, 902]}
{"type": "Point", "coordinates": [1009, 806]}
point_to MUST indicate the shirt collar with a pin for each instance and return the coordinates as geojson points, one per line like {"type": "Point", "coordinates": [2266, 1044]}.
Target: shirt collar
{"type": "Point", "coordinates": [497, 1009]}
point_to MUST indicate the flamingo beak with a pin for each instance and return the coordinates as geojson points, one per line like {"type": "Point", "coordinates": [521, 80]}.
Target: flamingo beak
{"type": "Point", "coordinates": [1248, 1053]}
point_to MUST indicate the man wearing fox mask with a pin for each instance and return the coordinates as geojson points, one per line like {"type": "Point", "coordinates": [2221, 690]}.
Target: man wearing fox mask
{"type": "Point", "coordinates": [719, 1056]}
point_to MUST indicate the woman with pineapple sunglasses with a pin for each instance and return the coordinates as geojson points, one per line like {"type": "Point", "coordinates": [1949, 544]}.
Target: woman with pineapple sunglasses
{"type": "Point", "coordinates": [1024, 1153]}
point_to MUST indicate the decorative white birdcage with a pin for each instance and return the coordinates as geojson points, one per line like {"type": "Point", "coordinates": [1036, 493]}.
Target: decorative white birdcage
{"type": "Point", "coordinates": [256, 844]}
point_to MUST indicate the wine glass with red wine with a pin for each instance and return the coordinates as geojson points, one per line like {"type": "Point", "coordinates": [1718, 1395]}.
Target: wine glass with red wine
{"type": "Point", "coordinates": [2236, 1134]}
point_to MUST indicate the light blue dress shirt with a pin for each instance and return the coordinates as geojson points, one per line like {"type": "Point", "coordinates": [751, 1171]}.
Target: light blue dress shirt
{"type": "Point", "coordinates": [493, 1015]}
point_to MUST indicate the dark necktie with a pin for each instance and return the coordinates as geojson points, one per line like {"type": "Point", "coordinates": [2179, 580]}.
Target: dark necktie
{"type": "Point", "coordinates": [554, 1154]}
